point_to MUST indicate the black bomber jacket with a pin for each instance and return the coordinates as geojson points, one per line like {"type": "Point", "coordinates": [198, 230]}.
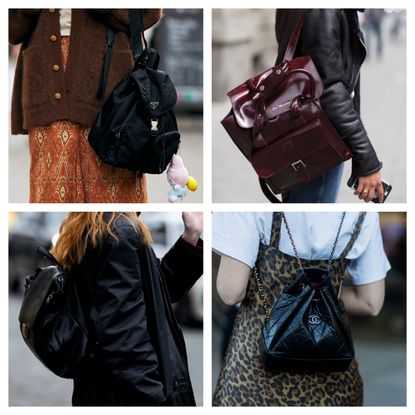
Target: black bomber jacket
{"type": "Point", "coordinates": [126, 292]}
{"type": "Point", "coordinates": [332, 38]}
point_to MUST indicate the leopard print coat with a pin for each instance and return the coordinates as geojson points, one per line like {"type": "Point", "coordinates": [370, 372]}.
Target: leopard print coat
{"type": "Point", "coordinates": [243, 381]}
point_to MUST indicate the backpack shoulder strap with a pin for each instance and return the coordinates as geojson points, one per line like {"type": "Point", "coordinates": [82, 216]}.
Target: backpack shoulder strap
{"type": "Point", "coordinates": [276, 231]}
{"type": "Point", "coordinates": [43, 251]}
{"type": "Point", "coordinates": [269, 193]}
{"type": "Point", "coordinates": [292, 43]}
{"type": "Point", "coordinates": [136, 34]}
{"type": "Point", "coordinates": [106, 63]}
{"type": "Point", "coordinates": [136, 31]}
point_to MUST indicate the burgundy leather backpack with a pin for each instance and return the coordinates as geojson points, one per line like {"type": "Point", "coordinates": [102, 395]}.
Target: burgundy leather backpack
{"type": "Point", "coordinates": [277, 122]}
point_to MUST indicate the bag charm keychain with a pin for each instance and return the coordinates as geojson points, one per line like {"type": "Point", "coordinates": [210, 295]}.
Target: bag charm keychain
{"type": "Point", "coordinates": [179, 179]}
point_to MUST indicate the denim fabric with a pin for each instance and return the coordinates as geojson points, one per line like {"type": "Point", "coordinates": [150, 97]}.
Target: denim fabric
{"type": "Point", "coordinates": [324, 189]}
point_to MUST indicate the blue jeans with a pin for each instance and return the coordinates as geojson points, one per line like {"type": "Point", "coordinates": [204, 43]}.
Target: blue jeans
{"type": "Point", "coordinates": [324, 189]}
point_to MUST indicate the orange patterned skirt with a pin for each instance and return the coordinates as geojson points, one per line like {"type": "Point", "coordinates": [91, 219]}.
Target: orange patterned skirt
{"type": "Point", "coordinates": [65, 169]}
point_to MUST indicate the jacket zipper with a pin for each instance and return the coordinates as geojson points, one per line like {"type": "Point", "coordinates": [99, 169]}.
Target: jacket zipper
{"type": "Point", "coordinates": [360, 62]}
{"type": "Point", "coordinates": [117, 138]}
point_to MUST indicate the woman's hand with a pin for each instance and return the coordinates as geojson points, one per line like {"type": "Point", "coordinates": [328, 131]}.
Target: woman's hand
{"type": "Point", "coordinates": [193, 226]}
{"type": "Point", "coordinates": [367, 186]}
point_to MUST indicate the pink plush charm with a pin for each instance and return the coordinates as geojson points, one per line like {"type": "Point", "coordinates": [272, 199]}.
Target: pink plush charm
{"type": "Point", "coordinates": [179, 179]}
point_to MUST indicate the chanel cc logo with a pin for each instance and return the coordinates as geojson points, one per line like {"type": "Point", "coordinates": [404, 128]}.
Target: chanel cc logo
{"type": "Point", "coordinates": [314, 319]}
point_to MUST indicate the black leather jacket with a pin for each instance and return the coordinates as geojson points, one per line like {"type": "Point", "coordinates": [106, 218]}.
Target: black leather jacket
{"type": "Point", "coordinates": [140, 356]}
{"type": "Point", "coordinates": [332, 38]}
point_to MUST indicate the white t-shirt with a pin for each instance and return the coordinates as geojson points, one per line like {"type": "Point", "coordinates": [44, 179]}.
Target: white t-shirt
{"type": "Point", "coordinates": [238, 235]}
{"type": "Point", "coordinates": [65, 18]}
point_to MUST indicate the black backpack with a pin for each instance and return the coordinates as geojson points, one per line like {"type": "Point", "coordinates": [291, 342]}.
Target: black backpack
{"type": "Point", "coordinates": [136, 128]}
{"type": "Point", "coordinates": [52, 322]}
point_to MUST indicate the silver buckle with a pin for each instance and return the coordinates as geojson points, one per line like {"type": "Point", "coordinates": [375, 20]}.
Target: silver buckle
{"type": "Point", "coordinates": [297, 165]}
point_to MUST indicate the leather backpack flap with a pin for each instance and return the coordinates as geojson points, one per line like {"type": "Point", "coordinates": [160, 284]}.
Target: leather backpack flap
{"type": "Point", "coordinates": [310, 145]}
{"type": "Point", "coordinates": [36, 294]}
{"type": "Point", "coordinates": [271, 93]}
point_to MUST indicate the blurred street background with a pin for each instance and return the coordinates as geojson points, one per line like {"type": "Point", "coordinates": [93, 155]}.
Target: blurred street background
{"type": "Point", "coordinates": [179, 40]}
{"type": "Point", "coordinates": [30, 383]}
{"type": "Point", "coordinates": [244, 44]}
{"type": "Point", "coordinates": [380, 342]}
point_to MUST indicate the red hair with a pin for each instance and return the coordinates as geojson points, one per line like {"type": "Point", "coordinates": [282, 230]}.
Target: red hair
{"type": "Point", "coordinates": [80, 229]}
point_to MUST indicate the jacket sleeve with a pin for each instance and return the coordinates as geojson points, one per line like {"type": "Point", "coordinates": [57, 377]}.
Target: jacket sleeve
{"type": "Point", "coordinates": [181, 267]}
{"type": "Point", "coordinates": [122, 338]}
{"type": "Point", "coordinates": [321, 39]}
{"type": "Point", "coordinates": [21, 24]}
{"type": "Point", "coordinates": [118, 18]}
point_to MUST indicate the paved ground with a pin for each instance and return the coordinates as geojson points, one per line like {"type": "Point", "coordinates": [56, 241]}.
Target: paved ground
{"type": "Point", "coordinates": [384, 116]}
{"type": "Point", "coordinates": [31, 384]}
{"type": "Point", "coordinates": [382, 366]}
{"type": "Point", "coordinates": [190, 150]}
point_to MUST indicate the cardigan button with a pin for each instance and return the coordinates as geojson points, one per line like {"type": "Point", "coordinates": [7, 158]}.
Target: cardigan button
{"type": "Point", "coordinates": [56, 68]}
{"type": "Point", "coordinates": [51, 10]}
{"type": "Point", "coordinates": [53, 38]}
{"type": "Point", "coordinates": [58, 96]}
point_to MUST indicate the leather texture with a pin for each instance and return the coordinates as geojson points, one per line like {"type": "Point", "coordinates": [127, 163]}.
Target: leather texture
{"type": "Point", "coordinates": [52, 322]}
{"type": "Point", "coordinates": [136, 128]}
{"type": "Point", "coordinates": [127, 294]}
{"type": "Point", "coordinates": [333, 40]}
{"type": "Point", "coordinates": [278, 123]}
{"type": "Point", "coordinates": [307, 329]}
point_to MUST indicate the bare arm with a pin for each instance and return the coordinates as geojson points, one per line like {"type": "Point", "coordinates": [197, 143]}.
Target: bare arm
{"type": "Point", "coordinates": [364, 300]}
{"type": "Point", "coordinates": [233, 276]}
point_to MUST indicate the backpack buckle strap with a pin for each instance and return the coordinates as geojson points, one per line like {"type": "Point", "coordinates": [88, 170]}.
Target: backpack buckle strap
{"type": "Point", "coordinates": [295, 160]}
{"type": "Point", "coordinates": [298, 165]}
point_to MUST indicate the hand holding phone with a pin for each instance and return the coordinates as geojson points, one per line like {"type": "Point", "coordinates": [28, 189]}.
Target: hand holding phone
{"type": "Point", "coordinates": [353, 183]}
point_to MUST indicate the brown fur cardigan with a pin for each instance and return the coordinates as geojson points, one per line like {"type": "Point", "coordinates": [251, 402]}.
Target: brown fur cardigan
{"type": "Point", "coordinates": [43, 92]}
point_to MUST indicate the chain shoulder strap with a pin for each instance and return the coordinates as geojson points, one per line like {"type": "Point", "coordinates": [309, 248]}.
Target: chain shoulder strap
{"type": "Point", "coordinates": [336, 240]}
{"type": "Point", "coordinates": [261, 293]}
{"type": "Point", "coordinates": [300, 265]}
{"type": "Point", "coordinates": [347, 248]}
{"type": "Point", "coordinates": [258, 280]}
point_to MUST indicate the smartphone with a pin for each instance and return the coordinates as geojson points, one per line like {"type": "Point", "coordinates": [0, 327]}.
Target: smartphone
{"type": "Point", "coordinates": [353, 182]}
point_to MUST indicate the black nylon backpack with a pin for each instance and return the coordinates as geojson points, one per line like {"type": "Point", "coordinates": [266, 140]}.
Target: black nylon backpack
{"type": "Point", "coordinates": [136, 128]}
{"type": "Point", "coordinates": [52, 322]}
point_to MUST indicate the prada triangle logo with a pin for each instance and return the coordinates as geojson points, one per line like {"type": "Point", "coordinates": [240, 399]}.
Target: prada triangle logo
{"type": "Point", "coordinates": [154, 105]}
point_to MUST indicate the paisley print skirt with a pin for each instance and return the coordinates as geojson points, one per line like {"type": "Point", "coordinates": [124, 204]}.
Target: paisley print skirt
{"type": "Point", "coordinates": [65, 169]}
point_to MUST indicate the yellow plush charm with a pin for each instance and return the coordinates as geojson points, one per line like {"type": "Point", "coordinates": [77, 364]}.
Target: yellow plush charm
{"type": "Point", "coordinates": [192, 184]}
{"type": "Point", "coordinates": [179, 179]}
